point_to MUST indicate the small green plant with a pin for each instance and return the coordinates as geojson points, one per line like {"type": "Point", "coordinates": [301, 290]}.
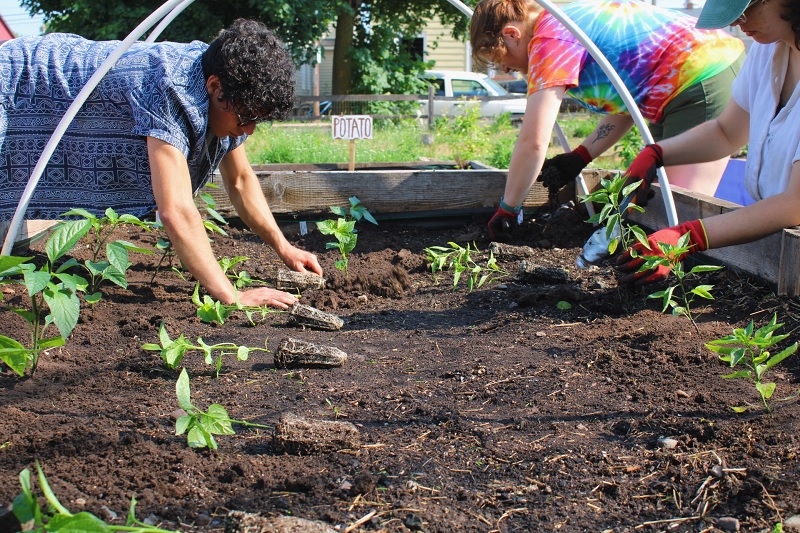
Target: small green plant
{"type": "Point", "coordinates": [337, 411]}
{"type": "Point", "coordinates": [343, 229]}
{"type": "Point", "coordinates": [464, 134]}
{"type": "Point", "coordinates": [750, 348]}
{"type": "Point", "coordinates": [611, 195]}
{"type": "Point", "coordinates": [56, 517]}
{"type": "Point", "coordinates": [629, 146]}
{"type": "Point", "coordinates": [211, 310]}
{"type": "Point", "coordinates": [242, 278]}
{"type": "Point", "coordinates": [201, 426]}
{"type": "Point", "coordinates": [114, 266]}
{"type": "Point", "coordinates": [53, 294]}
{"type": "Point", "coordinates": [680, 304]}
{"type": "Point", "coordinates": [173, 350]}
{"type": "Point", "coordinates": [463, 263]}
{"type": "Point", "coordinates": [210, 206]}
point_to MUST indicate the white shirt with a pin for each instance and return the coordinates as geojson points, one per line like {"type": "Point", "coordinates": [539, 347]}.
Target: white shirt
{"type": "Point", "coordinates": [774, 143]}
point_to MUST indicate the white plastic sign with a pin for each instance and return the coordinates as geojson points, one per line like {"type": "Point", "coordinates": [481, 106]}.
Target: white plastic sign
{"type": "Point", "coordinates": [351, 127]}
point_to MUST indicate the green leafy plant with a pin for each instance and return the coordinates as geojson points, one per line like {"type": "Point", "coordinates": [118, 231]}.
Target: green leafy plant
{"type": "Point", "coordinates": [173, 350]}
{"type": "Point", "coordinates": [114, 266]}
{"type": "Point", "coordinates": [210, 206]}
{"type": "Point", "coordinates": [56, 517]}
{"type": "Point", "coordinates": [211, 310]}
{"type": "Point", "coordinates": [53, 294]}
{"type": "Point", "coordinates": [343, 229]}
{"type": "Point", "coordinates": [464, 134]}
{"type": "Point", "coordinates": [681, 303]}
{"type": "Point", "coordinates": [201, 426]}
{"type": "Point", "coordinates": [629, 146]}
{"type": "Point", "coordinates": [750, 348]}
{"type": "Point", "coordinates": [462, 261]}
{"type": "Point", "coordinates": [611, 196]}
{"type": "Point", "coordinates": [241, 278]}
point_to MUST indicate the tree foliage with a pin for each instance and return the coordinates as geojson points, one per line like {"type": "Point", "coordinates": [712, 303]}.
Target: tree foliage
{"type": "Point", "coordinates": [378, 59]}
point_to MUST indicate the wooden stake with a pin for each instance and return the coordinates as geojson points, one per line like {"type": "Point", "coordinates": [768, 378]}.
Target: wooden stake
{"type": "Point", "coordinates": [352, 165]}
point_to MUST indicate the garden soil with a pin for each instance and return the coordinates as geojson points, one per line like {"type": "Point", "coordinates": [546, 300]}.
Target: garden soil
{"type": "Point", "coordinates": [563, 401]}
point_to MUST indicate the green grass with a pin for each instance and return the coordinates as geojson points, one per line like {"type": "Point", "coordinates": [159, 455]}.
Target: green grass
{"type": "Point", "coordinates": [402, 142]}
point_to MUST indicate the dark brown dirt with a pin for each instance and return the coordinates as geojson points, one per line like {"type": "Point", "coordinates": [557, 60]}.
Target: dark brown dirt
{"type": "Point", "coordinates": [490, 410]}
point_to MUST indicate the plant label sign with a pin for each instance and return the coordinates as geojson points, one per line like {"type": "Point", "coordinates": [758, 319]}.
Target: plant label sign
{"type": "Point", "coordinates": [352, 127]}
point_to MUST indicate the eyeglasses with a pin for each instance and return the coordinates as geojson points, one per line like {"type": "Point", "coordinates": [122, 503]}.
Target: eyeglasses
{"type": "Point", "coordinates": [243, 121]}
{"type": "Point", "coordinates": [742, 18]}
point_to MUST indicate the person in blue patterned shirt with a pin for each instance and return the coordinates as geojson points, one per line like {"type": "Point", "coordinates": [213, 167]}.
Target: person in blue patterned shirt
{"type": "Point", "coordinates": [149, 136]}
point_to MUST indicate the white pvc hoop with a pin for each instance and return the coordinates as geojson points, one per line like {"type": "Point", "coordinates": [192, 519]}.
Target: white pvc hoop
{"type": "Point", "coordinates": [638, 119]}
{"type": "Point", "coordinates": [66, 120]}
{"type": "Point", "coordinates": [167, 20]}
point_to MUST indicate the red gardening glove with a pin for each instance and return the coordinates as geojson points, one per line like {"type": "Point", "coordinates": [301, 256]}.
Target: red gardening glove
{"type": "Point", "coordinates": [644, 168]}
{"type": "Point", "coordinates": [563, 168]}
{"type": "Point", "coordinates": [502, 224]}
{"type": "Point", "coordinates": [698, 242]}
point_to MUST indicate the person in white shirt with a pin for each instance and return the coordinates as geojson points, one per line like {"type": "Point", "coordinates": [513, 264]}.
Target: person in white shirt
{"type": "Point", "coordinates": [761, 114]}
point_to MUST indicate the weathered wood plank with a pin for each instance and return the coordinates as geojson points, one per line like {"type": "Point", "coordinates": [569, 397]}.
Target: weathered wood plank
{"type": "Point", "coordinates": [382, 191]}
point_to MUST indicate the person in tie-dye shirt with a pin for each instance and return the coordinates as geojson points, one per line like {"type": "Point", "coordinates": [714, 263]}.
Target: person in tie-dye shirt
{"type": "Point", "coordinates": [679, 77]}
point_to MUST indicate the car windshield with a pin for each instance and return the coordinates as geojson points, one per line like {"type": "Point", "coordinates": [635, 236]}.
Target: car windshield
{"type": "Point", "coordinates": [496, 87]}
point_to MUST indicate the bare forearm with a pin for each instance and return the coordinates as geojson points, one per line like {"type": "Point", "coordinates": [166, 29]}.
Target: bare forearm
{"type": "Point", "coordinates": [752, 222]}
{"type": "Point", "coordinates": [709, 141]}
{"type": "Point", "coordinates": [607, 133]}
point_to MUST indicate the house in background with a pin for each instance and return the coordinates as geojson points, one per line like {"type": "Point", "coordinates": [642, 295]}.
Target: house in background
{"type": "Point", "coordinates": [5, 31]}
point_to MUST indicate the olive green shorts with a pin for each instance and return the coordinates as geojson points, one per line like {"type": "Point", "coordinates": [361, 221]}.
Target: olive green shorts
{"type": "Point", "coordinates": [697, 104]}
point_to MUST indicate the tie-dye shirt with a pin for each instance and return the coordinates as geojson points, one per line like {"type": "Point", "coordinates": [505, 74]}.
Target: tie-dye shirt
{"type": "Point", "coordinates": [656, 52]}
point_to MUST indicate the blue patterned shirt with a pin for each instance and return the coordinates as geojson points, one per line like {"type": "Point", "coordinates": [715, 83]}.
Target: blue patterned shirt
{"type": "Point", "coordinates": [156, 90]}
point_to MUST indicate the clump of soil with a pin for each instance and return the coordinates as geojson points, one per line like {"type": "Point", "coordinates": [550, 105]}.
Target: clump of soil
{"type": "Point", "coordinates": [500, 409]}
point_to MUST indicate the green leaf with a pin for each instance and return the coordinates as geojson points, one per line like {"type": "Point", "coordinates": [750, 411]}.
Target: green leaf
{"type": "Point", "coordinates": [65, 307]}
{"type": "Point", "coordinates": [182, 424]}
{"type": "Point", "coordinates": [738, 374]}
{"type": "Point", "coordinates": [93, 298]}
{"type": "Point", "coordinates": [739, 409]}
{"type": "Point", "coordinates": [703, 291]}
{"type": "Point", "coordinates": [242, 352]}
{"type": "Point", "coordinates": [65, 237]}
{"type": "Point", "coordinates": [765, 389]}
{"type": "Point", "coordinates": [183, 392]}
{"type": "Point", "coordinates": [36, 281]}
{"type": "Point", "coordinates": [48, 493]}
{"type": "Point", "coordinates": [9, 264]}
{"type": "Point", "coordinates": [116, 276]}
{"type": "Point", "coordinates": [15, 355]}
{"type": "Point", "coordinates": [133, 248]}
{"type": "Point", "coordinates": [25, 506]}
{"type": "Point", "coordinates": [783, 354]}
{"type": "Point", "coordinates": [117, 254]}
{"type": "Point", "coordinates": [83, 522]}
{"type": "Point", "coordinates": [564, 306]}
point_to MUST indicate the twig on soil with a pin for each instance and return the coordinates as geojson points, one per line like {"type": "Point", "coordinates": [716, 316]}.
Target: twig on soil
{"type": "Point", "coordinates": [366, 518]}
{"type": "Point", "coordinates": [667, 521]}
{"type": "Point", "coordinates": [479, 517]}
{"type": "Point", "coordinates": [505, 515]}
{"type": "Point", "coordinates": [771, 503]}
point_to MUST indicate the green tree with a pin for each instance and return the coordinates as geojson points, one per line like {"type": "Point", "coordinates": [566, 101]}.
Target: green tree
{"type": "Point", "coordinates": [370, 55]}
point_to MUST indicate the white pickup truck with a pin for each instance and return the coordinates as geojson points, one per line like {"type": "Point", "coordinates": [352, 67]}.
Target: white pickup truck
{"type": "Point", "coordinates": [466, 86]}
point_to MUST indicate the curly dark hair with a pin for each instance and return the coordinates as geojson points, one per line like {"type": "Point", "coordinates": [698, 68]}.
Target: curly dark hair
{"type": "Point", "coordinates": [254, 68]}
{"type": "Point", "coordinates": [791, 14]}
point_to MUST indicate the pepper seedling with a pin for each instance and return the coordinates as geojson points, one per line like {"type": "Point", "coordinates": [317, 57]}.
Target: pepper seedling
{"type": "Point", "coordinates": [462, 262]}
{"type": "Point", "coordinates": [172, 351]}
{"type": "Point", "coordinates": [749, 348]}
{"type": "Point", "coordinates": [343, 229]}
{"type": "Point", "coordinates": [670, 258]}
{"type": "Point", "coordinates": [201, 426]}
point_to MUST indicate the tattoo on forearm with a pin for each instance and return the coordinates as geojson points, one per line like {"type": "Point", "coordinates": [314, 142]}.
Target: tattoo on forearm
{"type": "Point", "coordinates": [603, 131]}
